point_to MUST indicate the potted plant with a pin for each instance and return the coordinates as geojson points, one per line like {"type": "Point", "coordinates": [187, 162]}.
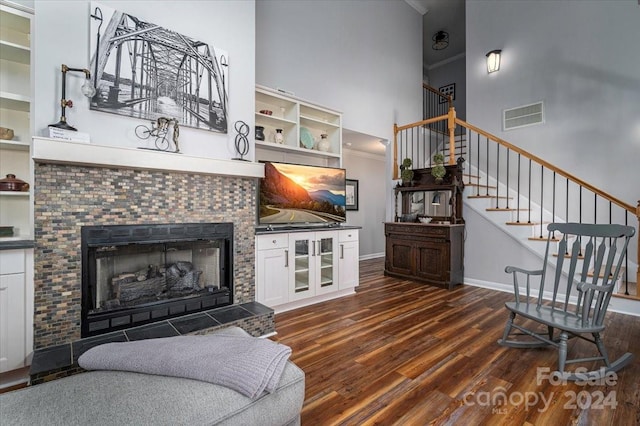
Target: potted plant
{"type": "Point", "coordinates": [438, 171]}
{"type": "Point", "coordinates": [406, 174]}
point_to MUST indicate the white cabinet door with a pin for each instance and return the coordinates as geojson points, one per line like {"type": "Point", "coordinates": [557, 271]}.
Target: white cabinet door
{"type": "Point", "coordinates": [12, 322]}
{"type": "Point", "coordinates": [349, 258]}
{"type": "Point", "coordinates": [272, 277]}
{"type": "Point", "coordinates": [272, 269]}
{"type": "Point", "coordinates": [349, 264]}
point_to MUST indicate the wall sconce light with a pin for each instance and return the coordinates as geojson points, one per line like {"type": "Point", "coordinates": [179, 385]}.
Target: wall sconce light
{"type": "Point", "coordinates": [436, 199]}
{"type": "Point", "coordinates": [493, 61]}
{"type": "Point", "coordinates": [87, 89]}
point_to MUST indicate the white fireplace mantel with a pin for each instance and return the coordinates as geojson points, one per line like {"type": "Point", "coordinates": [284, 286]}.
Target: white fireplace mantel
{"type": "Point", "coordinates": [47, 150]}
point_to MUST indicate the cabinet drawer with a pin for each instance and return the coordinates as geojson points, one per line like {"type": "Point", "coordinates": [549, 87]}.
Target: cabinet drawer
{"type": "Point", "coordinates": [11, 262]}
{"type": "Point", "coordinates": [348, 235]}
{"type": "Point", "coordinates": [265, 242]}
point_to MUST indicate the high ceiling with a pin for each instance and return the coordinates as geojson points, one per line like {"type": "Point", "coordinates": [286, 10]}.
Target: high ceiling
{"type": "Point", "coordinates": [437, 15]}
{"type": "Point", "coordinates": [441, 15]}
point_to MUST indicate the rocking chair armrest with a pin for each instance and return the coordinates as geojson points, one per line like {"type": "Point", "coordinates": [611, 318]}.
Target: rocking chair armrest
{"type": "Point", "coordinates": [510, 269]}
{"type": "Point", "coordinates": [585, 286]}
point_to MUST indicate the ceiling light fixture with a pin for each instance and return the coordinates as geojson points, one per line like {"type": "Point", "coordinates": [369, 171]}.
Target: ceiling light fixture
{"type": "Point", "coordinates": [493, 61]}
{"type": "Point", "coordinates": [440, 40]}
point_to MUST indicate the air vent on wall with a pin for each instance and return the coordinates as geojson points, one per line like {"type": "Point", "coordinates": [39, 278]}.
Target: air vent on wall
{"type": "Point", "coordinates": [522, 116]}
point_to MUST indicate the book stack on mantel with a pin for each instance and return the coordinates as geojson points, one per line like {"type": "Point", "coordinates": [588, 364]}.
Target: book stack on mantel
{"type": "Point", "coordinates": [69, 135]}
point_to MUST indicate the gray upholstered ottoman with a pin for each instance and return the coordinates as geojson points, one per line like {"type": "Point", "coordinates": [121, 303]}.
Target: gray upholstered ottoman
{"type": "Point", "coordinates": [125, 398]}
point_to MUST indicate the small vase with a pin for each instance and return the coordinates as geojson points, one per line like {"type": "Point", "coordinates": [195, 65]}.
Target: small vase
{"type": "Point", "coordinates": [259, 133]}
{"type": "Point", "coordinates": [279, 136]}
{"type": "Point", "coordinates": [324, 145]}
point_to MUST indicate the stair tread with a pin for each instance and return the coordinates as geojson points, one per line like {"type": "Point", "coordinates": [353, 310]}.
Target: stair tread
{"type": "Point", "coordinates": [504, 209]}
{"type": "Point", "coordinates": [471, 176]}
{"type": "Point", "coordinates": [525, 223]}
{"type": "Point", "coordinates": [480, 185]}
{"type": "Point", "coordinates": [502, 197]}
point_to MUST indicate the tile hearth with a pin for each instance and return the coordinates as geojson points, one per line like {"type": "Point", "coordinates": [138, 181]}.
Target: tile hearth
{"type": "Point", "coordinates": [62, 360]}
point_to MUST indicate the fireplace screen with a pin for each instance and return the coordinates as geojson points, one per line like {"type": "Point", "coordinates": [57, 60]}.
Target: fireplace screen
{"type": "Point", "coordinates": [140, 274]}
{"type": "Point", "coordinates": [137, 274]}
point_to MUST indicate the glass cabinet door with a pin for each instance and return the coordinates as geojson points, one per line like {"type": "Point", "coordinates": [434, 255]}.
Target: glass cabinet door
{"type": "Point", "coordinates": [326, 251]}
{"type": "Point", "coordinates": [303, 250]}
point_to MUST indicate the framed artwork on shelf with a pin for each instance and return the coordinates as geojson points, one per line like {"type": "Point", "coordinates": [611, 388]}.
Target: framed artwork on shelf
{"type": "Point", "coordinates": [351, 194]}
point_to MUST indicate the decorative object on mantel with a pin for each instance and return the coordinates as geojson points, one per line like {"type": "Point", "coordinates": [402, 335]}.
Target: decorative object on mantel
{"type": "Point", "coordinates": [69, 135]}
{"type": "Point", "coordinates": [159, 130]}
{"type": "Point", "coordinates": [87, 89]}
{"type": "Point", "coordinates": [175, 75]}
{"type": "Point", "coordinates": [11, 183]}
{"type": "Point", "coordinates": [406, 174]}
{"type": "Point", "coordinates": [6, 133]}
{"type": "Point", "coordinates": [438, 171]}
{"type": "Point", "coordinates": [241, 142]}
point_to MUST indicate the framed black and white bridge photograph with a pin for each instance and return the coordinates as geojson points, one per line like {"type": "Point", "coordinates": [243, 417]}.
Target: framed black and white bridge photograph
{"type": "Point", "coordinates": [145, 71]}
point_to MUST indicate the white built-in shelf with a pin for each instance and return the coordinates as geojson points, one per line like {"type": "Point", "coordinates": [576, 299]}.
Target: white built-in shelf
{"type": "Point", "coordinates": [277, 147]}
{"type": "Point", "coordinates": [14, 101]}
{"type": "Point", "coordinates": [14, 145]}
{"type": "Point", "coordinates": [299, 119]}
{"type": "Point", "coordinates": [14, 52]}
{"type": "Point", "coordinates": [14, 193]}
{"type": "Point", "coordinates": [47, 150]}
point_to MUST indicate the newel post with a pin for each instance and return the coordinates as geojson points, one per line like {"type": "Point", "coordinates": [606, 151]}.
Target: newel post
{"type": "Point", "coordinates": [452, 135]}
{"type": "Point", "coordinates": [395, 151]}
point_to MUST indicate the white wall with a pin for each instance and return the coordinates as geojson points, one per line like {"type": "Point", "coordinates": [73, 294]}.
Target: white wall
{"type": "Point", "coordinates": [452, 72]}
{"type": "Point", "coordinates": [61, 36]}
{"type": "Point", "coordinates": [361, 57]}
{"type": "Point", "coordinates": [370, 172]}
{"type": "Point", "coordinates": [581, 59]}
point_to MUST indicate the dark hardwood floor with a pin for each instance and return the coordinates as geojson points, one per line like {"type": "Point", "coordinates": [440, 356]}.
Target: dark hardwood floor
{"type": "Point", "coordinates": [400, 352]}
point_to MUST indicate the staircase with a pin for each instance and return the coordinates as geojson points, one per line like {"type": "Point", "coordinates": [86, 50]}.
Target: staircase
{"type": "Point", "coordinates": [514, 190]}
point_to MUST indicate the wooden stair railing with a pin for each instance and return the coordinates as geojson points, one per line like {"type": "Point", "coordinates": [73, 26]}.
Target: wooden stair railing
{"type": "Point", "coordinates": [527, 182]}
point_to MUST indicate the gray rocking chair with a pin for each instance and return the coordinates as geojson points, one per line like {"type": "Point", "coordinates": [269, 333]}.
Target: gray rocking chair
{"type": "Point", "coordinates": [579, 294]}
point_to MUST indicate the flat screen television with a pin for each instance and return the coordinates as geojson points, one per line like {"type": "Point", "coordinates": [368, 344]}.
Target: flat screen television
{"type": "Point", "coordinates": [299, 194]}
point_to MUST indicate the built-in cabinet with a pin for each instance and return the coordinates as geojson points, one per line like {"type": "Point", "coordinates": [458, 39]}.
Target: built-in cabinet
{"type": "Point", "coordinates": [307, 130]}
{"type": "Point", "coordinates": [16, 207]}
{"type": "Point", "coordinates": [15, 113]}
{"type": "Point", "coordinates": [294, 269]}
{"type": "Point", "coordinates": [16, 308]}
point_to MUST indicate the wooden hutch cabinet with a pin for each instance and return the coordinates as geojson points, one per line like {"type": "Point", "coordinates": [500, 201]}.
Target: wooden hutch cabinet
{"type": "Point", "coordinates": [426, 240]}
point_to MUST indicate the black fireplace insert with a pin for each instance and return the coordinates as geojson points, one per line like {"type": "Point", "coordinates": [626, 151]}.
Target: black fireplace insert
{"type": "Point", "coordinates": [137, 274]}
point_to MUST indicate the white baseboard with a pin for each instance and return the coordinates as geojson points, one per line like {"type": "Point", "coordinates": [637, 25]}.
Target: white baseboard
{"type": "Point", "coordinates": [617, 304]}
{"type": "Point", "coordinates": [371, 256]}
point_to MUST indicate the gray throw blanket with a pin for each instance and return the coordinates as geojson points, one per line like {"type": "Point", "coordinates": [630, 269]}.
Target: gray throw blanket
{"type": "Point", "coordinates": [246, 364]}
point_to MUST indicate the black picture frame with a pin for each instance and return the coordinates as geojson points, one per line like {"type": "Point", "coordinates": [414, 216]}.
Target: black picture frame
{"type": "Point", "coordinates": [449, 90]}
{"type": "Point", "coordinates": [351, 195]}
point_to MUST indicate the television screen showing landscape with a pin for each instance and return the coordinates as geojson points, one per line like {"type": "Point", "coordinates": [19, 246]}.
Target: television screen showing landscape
{"type": "Point", "coordinates": [292, 193]}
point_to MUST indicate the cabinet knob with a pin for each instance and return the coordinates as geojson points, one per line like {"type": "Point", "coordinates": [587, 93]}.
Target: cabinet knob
{"type": "Point", "coordinates": [274, 241]}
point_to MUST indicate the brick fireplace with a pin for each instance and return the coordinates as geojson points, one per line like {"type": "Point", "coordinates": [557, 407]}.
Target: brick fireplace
{"type": "Point", "coordinates": [73, 191]}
